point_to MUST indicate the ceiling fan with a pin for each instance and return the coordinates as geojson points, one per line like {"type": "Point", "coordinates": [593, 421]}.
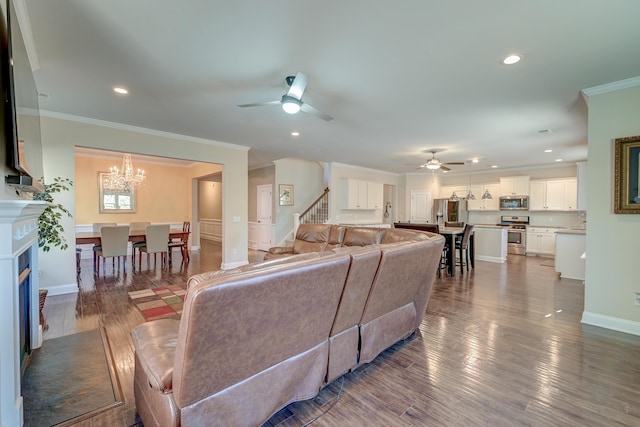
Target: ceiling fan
{"type": "Point", "coordinates": [292, 101]}
{"type": "Point", "coordinates": [434, 163]}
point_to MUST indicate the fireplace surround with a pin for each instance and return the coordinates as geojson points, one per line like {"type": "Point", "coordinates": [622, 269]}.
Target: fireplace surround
{"type": "Point", "coordinates": [18, 236]}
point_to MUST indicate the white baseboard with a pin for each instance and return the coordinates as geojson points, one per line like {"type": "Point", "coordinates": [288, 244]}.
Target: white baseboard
{"type": "Point", "coordinates": [230, 265]}
{"type": "Point", "coordinates": [609, 322]}
{"type": "Point", "coordinates": [71, 288]}
{"type": "Point", "coordinates": [490, 259]}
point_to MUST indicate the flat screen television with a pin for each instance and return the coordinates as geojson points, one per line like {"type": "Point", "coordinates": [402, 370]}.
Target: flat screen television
{"type": "Point", "coordinates": [20, 111]}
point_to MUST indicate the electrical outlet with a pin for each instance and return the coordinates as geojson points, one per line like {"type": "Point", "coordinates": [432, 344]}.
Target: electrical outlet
{"type": "Point", "coordinates": [637, 299]}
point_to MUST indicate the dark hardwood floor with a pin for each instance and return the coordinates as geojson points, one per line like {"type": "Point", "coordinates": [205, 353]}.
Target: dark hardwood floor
{"type": "Point", "coordinates": [500, 346]}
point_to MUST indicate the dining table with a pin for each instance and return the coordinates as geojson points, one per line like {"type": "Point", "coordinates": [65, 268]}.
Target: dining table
{"type": "Point", "coordinates": [92, 237]}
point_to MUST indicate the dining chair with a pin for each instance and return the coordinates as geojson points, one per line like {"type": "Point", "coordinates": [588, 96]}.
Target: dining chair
{"type": "Point", "coordinates": [97, 226]}
{"type": "Point", "coordinates": [462, 246]}
{"type": "Point", "coordinates": [137, 226]}
{"type": "Point", "coordinates": [156, 237]}
{"type": "Point", "coordinates": [181, 243]}
{"type": "Point", "coordinates": [115, 242]}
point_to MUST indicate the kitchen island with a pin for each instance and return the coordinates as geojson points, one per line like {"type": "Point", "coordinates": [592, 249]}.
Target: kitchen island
{"type": "Point", "coordinates": [570, 246]}
{"type": "Point", "coordinates": [490, 243]}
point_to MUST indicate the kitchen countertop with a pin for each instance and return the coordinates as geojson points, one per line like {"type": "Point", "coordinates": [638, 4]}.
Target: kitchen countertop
{"type": "Point", "coordinates": [500, 227]}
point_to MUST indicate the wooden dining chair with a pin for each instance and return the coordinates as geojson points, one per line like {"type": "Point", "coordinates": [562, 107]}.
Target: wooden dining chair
{"type": "Point", "coordinates": [114, 244]}
{"type": "Point", "coordinates": [181, 243]}
{"type": "Point", "coordinates": [97, 226]}
{"type": "Point", "coordinates": [156, 237]}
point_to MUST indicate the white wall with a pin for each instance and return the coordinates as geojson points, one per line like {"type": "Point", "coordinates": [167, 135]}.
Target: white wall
{"type": "Point", "coordinates": [612, 240]}
{"type": "Point", "coordinates": [339, 171]}
{"type": "Point", "coordinates": [59, 138]}
{"type": "Point", "coordinates": [307, 178]}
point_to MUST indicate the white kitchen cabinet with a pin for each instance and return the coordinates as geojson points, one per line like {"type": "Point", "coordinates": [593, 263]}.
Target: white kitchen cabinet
{"type": "Point", "coordinates": [553, 195]}
{"type": "Point", "coordinates": [541, 240]}
{"type": "Point", "coordinates": [514, 186]}
{"type": "Point", "coordinates": [360, 194]}
{"type": "Point", "coordinates": [374, 195]}
{"type": "Point", "coordinates": [488, 204]}
{"type": "Point", "coordinates": [571, 245]}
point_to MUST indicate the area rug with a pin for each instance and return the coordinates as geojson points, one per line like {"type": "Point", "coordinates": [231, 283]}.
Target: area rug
{"type": "Point", "coordinates": [70, 379]}
{"type": "Point", "coordinates": [161, 302]}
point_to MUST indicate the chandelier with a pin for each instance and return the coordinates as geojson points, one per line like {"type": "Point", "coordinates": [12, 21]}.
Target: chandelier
{"type": "Point", "coordinates": [123, 180]}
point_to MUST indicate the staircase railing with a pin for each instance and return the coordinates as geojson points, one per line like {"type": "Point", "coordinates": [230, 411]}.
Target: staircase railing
{"type": "Point", "coordinates": [318, 212]}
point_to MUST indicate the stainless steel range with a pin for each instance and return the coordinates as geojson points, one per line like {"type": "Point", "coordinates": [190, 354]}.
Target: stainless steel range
{"type": "Point", "coordinates": [516, 233]}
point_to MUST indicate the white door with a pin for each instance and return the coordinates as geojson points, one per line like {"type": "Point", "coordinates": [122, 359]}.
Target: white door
{"type": "Point", "coordinates": [264, 204]}
{"type": "Point", "coordinates": [420, 206]}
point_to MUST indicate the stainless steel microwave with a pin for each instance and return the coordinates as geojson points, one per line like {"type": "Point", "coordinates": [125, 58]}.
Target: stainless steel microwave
{"type": "Point", "coordinates": [514, 203]}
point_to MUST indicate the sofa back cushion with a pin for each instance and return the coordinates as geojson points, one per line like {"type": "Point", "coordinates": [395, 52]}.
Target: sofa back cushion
{"type": "Point", "coordinates": [311, 238]}
{"type": "Point", "coordinates": [236, 326]}
{"type": "Point", "coordinates": [405, 274]}
{"type": "Point", "coordinates": [362, 236]}
{"type": "Point", "coordinates": [336, 237]}
{"type": "Point", "coordinates": [364, 264]}
{"type": "Point", "coordinates": [393, 235]}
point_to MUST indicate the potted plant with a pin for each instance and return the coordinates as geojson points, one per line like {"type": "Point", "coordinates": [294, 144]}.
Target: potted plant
{"type": "Point", "coordinates": [50, 231]}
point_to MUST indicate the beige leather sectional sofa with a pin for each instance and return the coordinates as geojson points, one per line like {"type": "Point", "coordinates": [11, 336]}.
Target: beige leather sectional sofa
{"type": "Point", "coordinates": [254, 339]}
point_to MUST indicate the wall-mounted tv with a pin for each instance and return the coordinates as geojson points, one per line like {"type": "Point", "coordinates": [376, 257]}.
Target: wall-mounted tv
{"type": "Point", "coordinates": [20, 112]}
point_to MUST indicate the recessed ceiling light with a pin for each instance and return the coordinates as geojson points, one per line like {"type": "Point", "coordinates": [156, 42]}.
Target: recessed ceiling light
{"type": "Point", "coordinates": [295, 133]}
{"type": "Point", "coordinates": [511, 59]}
{"type": "Point", "coordinates": [445, 171]}
{"type": "Point", "coordinates": [558, 160]}
{"type": "Point", "coordinates": [494, 166]}
{"type": "Point", "coordinates": [475, 161]}
{"type": "Point", "coordinates": [548, 150]}
{"type": "Point", "coordinates": [120, 90]}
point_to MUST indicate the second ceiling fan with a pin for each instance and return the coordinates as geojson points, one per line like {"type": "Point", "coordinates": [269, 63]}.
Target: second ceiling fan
{"type": "Point", "coordinates": [434, 163]}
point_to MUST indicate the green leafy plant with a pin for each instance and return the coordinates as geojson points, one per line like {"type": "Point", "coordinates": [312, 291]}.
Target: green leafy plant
{"type": "Point", "coordinates": [50, 231]}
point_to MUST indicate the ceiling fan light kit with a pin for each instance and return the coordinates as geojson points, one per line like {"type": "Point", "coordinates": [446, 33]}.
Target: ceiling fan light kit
{"type": "Point", "coordinates": [290, 104]}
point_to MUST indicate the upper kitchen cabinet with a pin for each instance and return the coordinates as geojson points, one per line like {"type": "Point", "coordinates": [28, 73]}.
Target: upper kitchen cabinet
{"type": "Point", "coordinates": [479, 204]}
{"type": "Point", "coordinates": [359, 194]}
{"type": "Point", "coordinates": [514, 186]}
{"type": "Point", "coordinates": [553, 195]}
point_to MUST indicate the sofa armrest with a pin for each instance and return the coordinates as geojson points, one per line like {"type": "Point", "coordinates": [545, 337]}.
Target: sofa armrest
{"type": "Point", "coordinates": [155, 345]}
{"type": "Point", "coordinates": [281, 250]}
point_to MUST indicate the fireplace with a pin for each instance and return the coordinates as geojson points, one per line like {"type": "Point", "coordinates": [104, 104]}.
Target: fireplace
{"type": "Point", "coordinates": [19, 321]}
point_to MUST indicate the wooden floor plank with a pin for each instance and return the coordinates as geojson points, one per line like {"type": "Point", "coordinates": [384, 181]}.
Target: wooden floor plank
{"type": "Point", "coordinates": [500, 346]}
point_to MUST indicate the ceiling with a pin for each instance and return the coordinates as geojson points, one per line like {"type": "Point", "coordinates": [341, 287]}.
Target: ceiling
{"type": "Point", "coordinates": [399, 78]}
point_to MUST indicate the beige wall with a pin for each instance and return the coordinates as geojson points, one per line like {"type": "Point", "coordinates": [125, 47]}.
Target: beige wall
{"type": "Point", "coordinates": [210, 200]}
{"type": "Point", "coordinates": [612, 240]}
{"type": "Point", "coordinates": [163, 198]}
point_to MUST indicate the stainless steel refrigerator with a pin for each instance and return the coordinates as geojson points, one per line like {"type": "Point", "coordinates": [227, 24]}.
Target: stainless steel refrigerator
{"type": "Point", "coordinates": [445, 210]}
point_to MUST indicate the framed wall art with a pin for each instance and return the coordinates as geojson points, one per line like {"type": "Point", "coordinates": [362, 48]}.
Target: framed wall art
{"type": "Point", "coordinates": [627, 175]}
{"type": "Point", "coordinates": [285, 194]}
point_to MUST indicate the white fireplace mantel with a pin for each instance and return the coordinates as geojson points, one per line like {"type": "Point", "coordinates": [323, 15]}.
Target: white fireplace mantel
{"type": "Point", "coordinates": [18, 232]}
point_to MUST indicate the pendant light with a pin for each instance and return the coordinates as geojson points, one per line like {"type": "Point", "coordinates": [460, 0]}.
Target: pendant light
{"type": "Point", "coordinates": [487, 195]}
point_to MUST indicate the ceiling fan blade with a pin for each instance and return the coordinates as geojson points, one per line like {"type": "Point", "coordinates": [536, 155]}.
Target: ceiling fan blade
{"type": "Point", "coordinates": [310, 110]}
{"type": "Point", "coordinates": [444, 168]}
{"type": "Point", "coordinates": [453, 163]}
{"type": "Point", "coordinates": [260, 104]}
{"type": "Point", "coordinates": [298, 86]}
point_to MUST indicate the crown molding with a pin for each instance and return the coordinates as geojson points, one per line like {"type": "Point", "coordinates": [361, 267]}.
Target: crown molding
{"type": "Point", "coordinates": [146, 131]}
{"type": "Point", "coordinates": [610, 87]}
